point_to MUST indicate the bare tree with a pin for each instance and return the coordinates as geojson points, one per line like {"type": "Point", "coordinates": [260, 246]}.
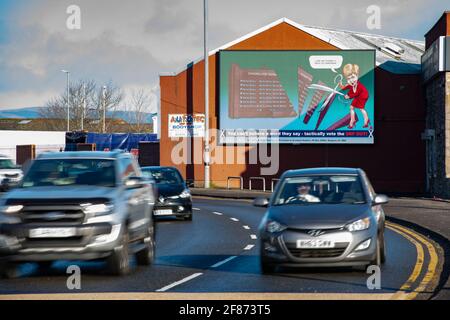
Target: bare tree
{"type": "Point", "coordinates": [108, 101]}
{"type": "Point", "coordinates": [138, 109]}
{"type": "Point", "coordinates": [54, 112]}
{"type": "Point", "coordinates": [91, 112]}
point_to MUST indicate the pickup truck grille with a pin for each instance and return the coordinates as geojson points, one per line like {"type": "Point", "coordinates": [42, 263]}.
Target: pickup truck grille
{"type": "Point", "coordinates": [53, 212]}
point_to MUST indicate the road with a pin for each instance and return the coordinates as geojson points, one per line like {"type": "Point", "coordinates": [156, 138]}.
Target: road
{"type": "Point", "coordinates": [218, 253]}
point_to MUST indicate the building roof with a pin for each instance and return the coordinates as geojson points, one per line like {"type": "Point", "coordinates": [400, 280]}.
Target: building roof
{"type": "Point", "coordinates": [396, 55]}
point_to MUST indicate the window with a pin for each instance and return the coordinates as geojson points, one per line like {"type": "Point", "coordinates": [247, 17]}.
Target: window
{"type": "Point", "coordinates": [6, 164]}
{"type": "Point", "coordinates": [164, 175]}
{"type": "Point", "coordinates": [127, 168]}
{"type": "Point", "coordinates": [325, 189]}
{"type": "Point", "coordinates": [69, 172]}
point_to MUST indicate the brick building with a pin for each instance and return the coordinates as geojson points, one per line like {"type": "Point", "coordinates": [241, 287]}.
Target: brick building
{"type": "Point", "coordinates": [396, 162]}
{"type": "Point", "coordinates": [437, 95]}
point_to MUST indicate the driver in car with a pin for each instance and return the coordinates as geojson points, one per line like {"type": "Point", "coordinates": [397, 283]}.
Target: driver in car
{"type": "Point", "coordinates": [303, 194]}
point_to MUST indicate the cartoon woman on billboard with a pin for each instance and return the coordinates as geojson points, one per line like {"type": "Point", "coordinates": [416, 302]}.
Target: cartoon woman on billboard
{"type": "Point", "coordinates": [356, 91]}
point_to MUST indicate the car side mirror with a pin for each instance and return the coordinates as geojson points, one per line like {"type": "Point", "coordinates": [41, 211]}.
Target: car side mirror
{"type": "Point", "coordinates": [380, 199]}
{"type": "Point", "coordinates": [261, 202]}
{"type": "Point", "coordinates": [134, 182]}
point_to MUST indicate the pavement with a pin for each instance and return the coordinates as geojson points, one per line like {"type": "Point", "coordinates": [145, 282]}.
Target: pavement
{"type": "Point", "coordinates": [429, 217]}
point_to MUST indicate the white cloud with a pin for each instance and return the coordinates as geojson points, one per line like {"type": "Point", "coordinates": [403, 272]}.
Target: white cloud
{"type": "Point", "coordinates": [131, 42]}
{"type": "Point", "coordinates": [151, 91]}
{"type": "Point", "coordinates": [20, 99]}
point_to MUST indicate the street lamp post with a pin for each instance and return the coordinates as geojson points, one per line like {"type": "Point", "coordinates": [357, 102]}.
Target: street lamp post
{"type": "Point", "coordinates": [84, 107]}
{"type": "Point", "coordinates": [206, 57]}
{"type": "Point", "coordinates": [68, 98]}
{"type": "Point", "coordinates": [104, 108]}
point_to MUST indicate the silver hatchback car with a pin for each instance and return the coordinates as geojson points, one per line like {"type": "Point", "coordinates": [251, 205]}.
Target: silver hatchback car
{"type": "Point", "coordinates": [322, 217]}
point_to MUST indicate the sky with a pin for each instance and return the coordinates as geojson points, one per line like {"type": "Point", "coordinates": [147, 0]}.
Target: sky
{"type": "Point", "coordinates": [131, 42]}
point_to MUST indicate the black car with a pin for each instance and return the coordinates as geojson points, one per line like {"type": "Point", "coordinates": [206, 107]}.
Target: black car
{"type": "Point", "coordinates": [78, 206]}
{"type": "Point", "coordinates": [173, 195]}
{"type": "Point", "coordinates": [323, 217]}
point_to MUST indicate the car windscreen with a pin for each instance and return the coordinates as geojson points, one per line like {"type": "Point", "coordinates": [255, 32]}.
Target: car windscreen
{"type": "Point", "coordinates": [323, 189]}
{"type": "Point", "coordinates": [6, 164]}
{"type": "Point", "coordinates": [70, 172]}
{"type": "Point", "coordinates": [164, 175]}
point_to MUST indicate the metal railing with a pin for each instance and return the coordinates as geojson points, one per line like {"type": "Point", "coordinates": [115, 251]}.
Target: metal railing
{"type": "Point", "coordinates": [241, 182]}
{"type": "Point", "coordinates": [273, 183]}
{"type": "Point", "coordinates": [256, 178]}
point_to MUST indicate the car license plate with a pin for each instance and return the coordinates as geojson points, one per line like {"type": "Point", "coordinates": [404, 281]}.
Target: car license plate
{"type": "Point", "coordinates": [52, 232]}
{"type": "Point", "coordinates": [163, 212]}
{"type": "Point", "coordinates": [314, 244]}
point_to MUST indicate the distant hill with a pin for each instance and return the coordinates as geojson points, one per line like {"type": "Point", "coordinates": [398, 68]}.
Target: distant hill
{"type": "Point", "coordinates": [33, 113]}
{"type": "Point", "coordinates": [23, 113]}
{"type": "Point", "coordinates": [128, 116]}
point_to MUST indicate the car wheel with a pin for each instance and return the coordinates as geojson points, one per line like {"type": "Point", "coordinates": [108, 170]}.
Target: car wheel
{"type": "Point", "coordinates": [383, 249]}
{"type": "Point", "coordinates": [8, 270]}
{"type": "Point", "coordinates": [118, 263]}
{"type": "Point", "coordinates": [45, 265]}
{"type": "Point", "coordinates": [188, 217]}
{"type": "Point", "coordinates": [146, 256]}
{"type": "Point", "coordinates": [267, 268]}
{"type": "Point", "coordinates": [377, 260]}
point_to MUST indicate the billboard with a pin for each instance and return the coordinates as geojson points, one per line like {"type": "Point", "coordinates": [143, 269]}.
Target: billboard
{"type": "Point", "coordinates": [186, 125]}
{"type": "Point", "coordinates": [297, 96]}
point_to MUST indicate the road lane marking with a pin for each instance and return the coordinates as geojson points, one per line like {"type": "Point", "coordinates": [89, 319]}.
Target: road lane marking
{"type": "Point", "coordinates": [170, 286]}
{"type": "Point", "coordinates": [234, 219]}
{"type": "Point", "coordinates": [246, 227]}
{"type": "Point", "coordinates": [253, 236]}
{"type": "Point", "coordinates": [417, 268]}
{"type": "Point", "coordinates": [430, 275]}
{"type": "Point", "coordinates": [249, 247]}
{"type": "Point", "coordinates": [237, 296]}
{"type": "Point", "coordinates": [196, 209]}
{"type": "Point", "coordinates": [218, 264]}
{"type": "Point", "coordinates": [218, 213]}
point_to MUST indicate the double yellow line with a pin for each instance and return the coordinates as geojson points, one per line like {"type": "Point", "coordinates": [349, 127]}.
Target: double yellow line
{"type": "Point", "coordinates": [430, 279]}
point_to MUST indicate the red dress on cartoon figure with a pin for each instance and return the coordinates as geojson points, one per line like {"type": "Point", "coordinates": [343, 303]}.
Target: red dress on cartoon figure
{"type": "Point", "coordinates": [357, 92]}
{"type": "Point", "coordinates": [360, 96]}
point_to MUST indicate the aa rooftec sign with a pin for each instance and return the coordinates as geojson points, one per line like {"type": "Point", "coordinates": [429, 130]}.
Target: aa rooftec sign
{"type": "Point", "coordinates": [186, 125]}
{"type": "Point", "coordinates": [297, 96]}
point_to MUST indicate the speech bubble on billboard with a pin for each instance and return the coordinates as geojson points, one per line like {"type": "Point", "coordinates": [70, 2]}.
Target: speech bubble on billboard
{"type": "Point", "coordinates": [326, 62]}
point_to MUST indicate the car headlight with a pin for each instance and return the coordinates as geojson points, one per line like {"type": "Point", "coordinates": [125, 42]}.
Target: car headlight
{"type": "Point", "coordinates": [274, 226]}
{"type": "Point", "coordinates": [97, 209]}
{"type": "Point", "coordinates": [11, 209]}
{"type": "Point", "coordinates": [359, 225]}
{"type": "Point", "coordinates": [185, 194]}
